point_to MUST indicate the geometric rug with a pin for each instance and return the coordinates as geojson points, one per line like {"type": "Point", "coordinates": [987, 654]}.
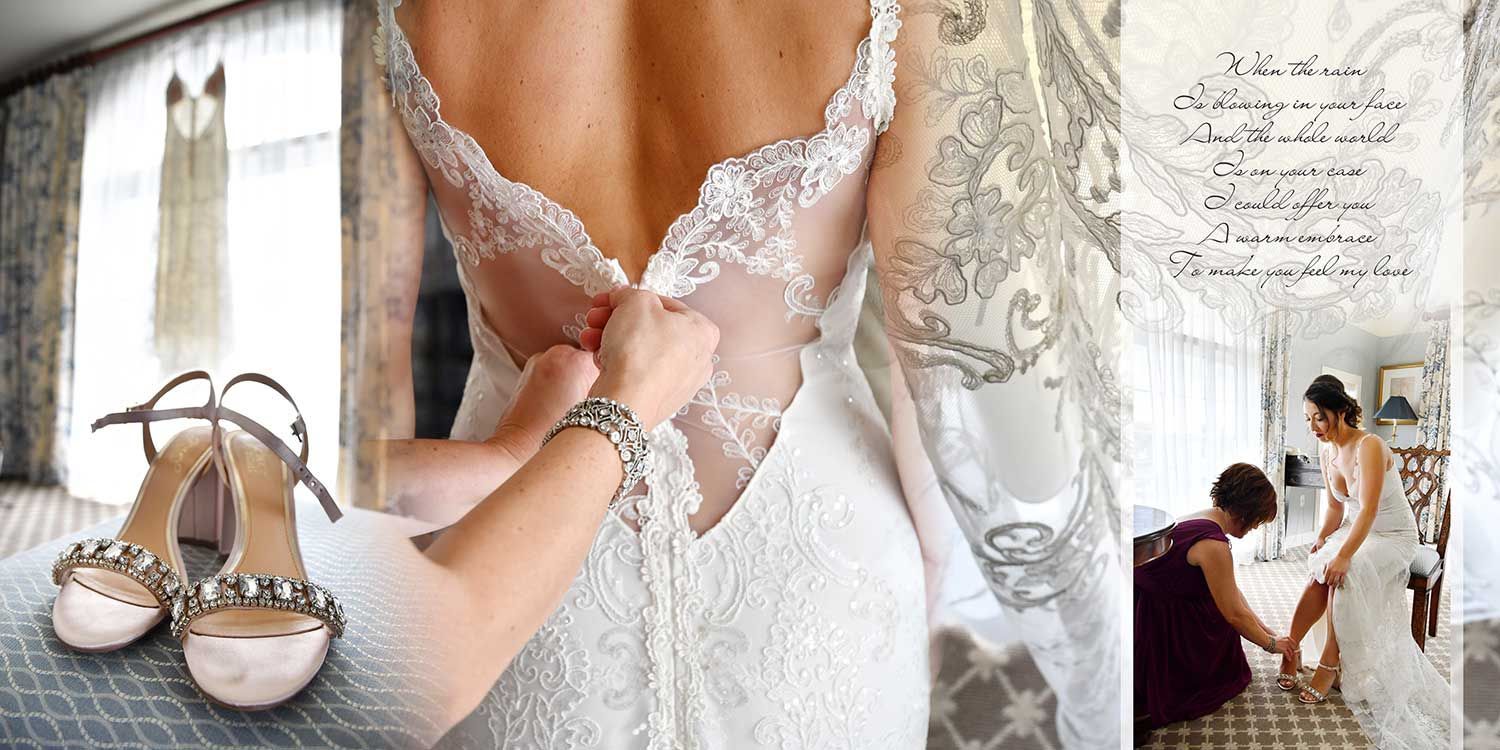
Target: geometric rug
{"type": "Point", "coordinates": [1265, 717]}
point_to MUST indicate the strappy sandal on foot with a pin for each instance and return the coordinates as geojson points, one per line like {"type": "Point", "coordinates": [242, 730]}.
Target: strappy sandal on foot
{"type": "Point", "coordinates": [1318, 695]}
{"type": "Point", "coordinates": [256, 634]}
{"type": "Point", "coordinates": [1289, 681]}
{"type": "Point", "coordinates": [115, 590]}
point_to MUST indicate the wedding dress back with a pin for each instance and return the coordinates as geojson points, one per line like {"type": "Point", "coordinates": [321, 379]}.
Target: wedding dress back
{"type": "Point", "coordinates": [764, 585]}
{"type": "Point", "coordinates": [764, 253]}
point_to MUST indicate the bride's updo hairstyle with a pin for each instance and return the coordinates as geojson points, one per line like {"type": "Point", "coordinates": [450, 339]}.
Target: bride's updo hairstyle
{"type": "Point", "coordinates": [1327, 393]}
{"type": "Point", "coordinates": [1246, 494]}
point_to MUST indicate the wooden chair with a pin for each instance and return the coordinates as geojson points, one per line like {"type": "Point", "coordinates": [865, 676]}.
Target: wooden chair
{"type": "Point", "coordinates": [1420, 468]}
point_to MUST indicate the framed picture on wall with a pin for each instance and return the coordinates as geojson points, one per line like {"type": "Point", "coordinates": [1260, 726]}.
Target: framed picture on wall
{"type": "Point", "coordinates": [1401, 380]}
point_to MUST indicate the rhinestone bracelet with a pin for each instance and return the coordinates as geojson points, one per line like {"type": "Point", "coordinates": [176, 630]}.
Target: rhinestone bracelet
{"type": "Point", "coordinates": [620, 424]}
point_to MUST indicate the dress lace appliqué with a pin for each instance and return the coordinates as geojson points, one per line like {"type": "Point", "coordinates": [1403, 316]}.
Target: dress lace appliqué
{"type": "Point", "coordinates": [796, 621]}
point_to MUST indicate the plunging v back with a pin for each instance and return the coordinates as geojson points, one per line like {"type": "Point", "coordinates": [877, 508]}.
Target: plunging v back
{"type": "Point", "coordinates": [798, 617]}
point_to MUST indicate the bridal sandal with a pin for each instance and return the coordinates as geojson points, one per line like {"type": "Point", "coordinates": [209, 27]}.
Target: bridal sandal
{"type": "Point", "coordinates": [257, 632]}
{"type": "Point", "coordinates": [1318, 695]}
{"type": "Point", "coordinates": [115, 590]}
{"type": "Point", "coordinates": [1289, 681]}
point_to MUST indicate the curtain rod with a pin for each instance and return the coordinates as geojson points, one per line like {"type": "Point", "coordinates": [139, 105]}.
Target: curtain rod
{"type": "Point", "coordinates": [90, 57]}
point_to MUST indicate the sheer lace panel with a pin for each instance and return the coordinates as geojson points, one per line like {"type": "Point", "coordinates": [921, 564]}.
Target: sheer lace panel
{"type": "Point", "coordinates": [760, 253]}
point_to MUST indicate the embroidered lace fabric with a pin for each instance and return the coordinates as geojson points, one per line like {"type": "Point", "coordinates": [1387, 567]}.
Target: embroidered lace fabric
{"type": "Point", "coordinates": [798, 618]}
{"type": "Point", "coordinates": [1399, 698]}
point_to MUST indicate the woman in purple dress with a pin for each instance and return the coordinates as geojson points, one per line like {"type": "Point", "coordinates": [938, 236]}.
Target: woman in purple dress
{"type": "Point", "coordinates": [1190, 614]}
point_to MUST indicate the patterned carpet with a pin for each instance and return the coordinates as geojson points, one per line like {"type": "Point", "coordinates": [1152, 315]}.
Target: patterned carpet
{"type": "Point", "coordinates": [1265, 717]}
{"type": "Point", "coordinates": [980, 700]}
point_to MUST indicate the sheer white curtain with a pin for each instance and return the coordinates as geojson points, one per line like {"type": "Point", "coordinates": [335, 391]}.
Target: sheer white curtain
{"type": "Point", "coordinates": [1196, 410]}
{"type": "Point", "coordinates": [282, 68]}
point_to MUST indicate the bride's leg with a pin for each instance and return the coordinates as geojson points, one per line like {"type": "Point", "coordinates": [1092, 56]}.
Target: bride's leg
{"type": "Point", "coordinates": [1331, 647]}
{"type": "Point", "coordinates": [1324, 679]}
{"type": "Point", "coordinates": [1309, 608]}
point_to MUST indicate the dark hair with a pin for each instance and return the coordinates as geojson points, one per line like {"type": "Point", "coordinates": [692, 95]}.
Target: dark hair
{"type": "Point", "coordinates": [1328, 394]}
{"type": "Point", "coordinates": [1244, 492]}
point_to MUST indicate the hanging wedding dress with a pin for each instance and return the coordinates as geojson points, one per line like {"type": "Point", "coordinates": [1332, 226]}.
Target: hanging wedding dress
{"type": "Point", "coordinates": [192, 264]}
{"type": "Point", "coordinates": [798, 619]}
{"type": "Point", "coordinates": [1400, 699]}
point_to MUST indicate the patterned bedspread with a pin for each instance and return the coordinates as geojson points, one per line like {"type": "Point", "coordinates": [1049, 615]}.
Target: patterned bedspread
{"type": "Point", "coordinates": [370, 693]}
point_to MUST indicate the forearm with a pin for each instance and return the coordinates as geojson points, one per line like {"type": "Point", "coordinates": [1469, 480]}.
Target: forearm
{"type": "Point", "coordinates": [498, 573]}
{"type": "Point", "coordinates": [439, 480]}
{"type": "Point", "coordinates": [1248, 625]}
{"type": "Point", "coordinates": [1358, 531]}
{"type": "Point", "coordinates": [1256, 617]}
{"type": "Point", "coordinates": [1331, 520]}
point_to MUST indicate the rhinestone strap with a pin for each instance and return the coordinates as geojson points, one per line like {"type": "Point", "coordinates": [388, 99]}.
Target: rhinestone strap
{"type": "Point", "coordinates": [124, 558]}
{"type": "Point", "coordinates": [620, 424]}
{"type": "Point", "coordinates": [256, 591]}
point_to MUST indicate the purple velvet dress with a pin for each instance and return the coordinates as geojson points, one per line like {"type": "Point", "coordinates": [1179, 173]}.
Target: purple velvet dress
{"type": "Point", "coordinates": [1188, 659]}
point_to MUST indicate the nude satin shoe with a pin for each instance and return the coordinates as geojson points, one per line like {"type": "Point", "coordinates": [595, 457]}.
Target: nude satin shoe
{"type": "Point", "coordinates": [256, 633]}
{"type": "Point", "coordinates": [113, 591]}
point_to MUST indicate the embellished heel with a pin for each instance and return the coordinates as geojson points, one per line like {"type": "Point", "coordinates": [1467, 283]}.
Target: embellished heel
{"type": "Point", "coordinates": [112, 591]}
{"type": "Point", "coordinates": [256, 633]}
{"type": "Point", "coordinates": [1312, 696]}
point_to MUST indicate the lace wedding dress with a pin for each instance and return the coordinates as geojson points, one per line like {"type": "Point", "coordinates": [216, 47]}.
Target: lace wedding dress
{"type": "Point", "coordinates": [1400, 699]}
{"type": "Point", "coordinates": [798, 619]}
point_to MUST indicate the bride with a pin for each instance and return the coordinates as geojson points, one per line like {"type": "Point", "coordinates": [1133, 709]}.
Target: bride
{"type": "Point", "coordinates": [764, 585]}
{"type": "Point", "coordinates": [1359, 568]}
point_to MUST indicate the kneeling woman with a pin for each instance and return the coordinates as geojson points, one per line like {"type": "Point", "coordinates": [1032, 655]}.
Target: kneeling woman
{"type": "Point", "coordinates": [1190, 614]}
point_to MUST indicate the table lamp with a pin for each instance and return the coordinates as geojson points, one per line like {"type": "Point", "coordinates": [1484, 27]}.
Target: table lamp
{"type": "Point", "coordinates": [1397, 409]}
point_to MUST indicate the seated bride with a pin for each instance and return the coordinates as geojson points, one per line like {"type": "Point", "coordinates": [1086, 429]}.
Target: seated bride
{"type": "Point", "coordinates": [1354, 609]}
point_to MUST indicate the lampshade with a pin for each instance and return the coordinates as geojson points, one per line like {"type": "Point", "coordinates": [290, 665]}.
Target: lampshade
{"type": "Point", "coordinates": [1396, 408]}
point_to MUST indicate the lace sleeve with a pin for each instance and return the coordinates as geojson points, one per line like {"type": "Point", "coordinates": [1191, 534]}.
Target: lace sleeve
{"type": "Point", "coordinates": [993, 216]}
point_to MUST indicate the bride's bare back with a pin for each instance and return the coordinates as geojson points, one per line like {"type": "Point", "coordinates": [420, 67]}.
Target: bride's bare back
{"type": "Point", "coordinates": [722, 148]}
{"type": "Point", "coordinates": [616, 110]}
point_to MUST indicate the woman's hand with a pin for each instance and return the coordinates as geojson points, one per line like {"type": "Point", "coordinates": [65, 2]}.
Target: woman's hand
{"type": "Point", "coordinates": [1337, 571]}
{"type": "Point", "coordinates": [551, 383]}
{"type": "Point", "coordinates": [1322, 540]}
{"type": "Point", "coordinates": [654, 352]}
{"type": "Point", "coordinates": [1285, 645]}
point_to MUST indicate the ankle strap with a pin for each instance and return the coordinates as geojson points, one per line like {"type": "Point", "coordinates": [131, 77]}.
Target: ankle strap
{"type": "Point", "coordinates": [1321, 665]}
{"type": "Point", "coordinates": [144, 415]}
{"type": "Point", "coordinates": [297, 462]}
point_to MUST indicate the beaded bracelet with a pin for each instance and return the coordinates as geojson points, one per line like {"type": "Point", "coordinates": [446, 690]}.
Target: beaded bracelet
{"type": "Point", "coordinates": [620, 424]}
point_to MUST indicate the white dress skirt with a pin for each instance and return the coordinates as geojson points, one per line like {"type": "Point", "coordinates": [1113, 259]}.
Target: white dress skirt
{"type": "Point", "coordinates": [1399, 698]}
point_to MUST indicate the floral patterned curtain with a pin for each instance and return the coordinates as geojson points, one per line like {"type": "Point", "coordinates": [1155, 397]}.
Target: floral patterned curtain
{"type": "Point", "coordinates": [1276, 345]}
{"type": "Point", "coordinates": [40, 172]}
{"type": "Point", "coordinates": [1433, 423]}
{"type": "Point", "coordinates": [371, 212]}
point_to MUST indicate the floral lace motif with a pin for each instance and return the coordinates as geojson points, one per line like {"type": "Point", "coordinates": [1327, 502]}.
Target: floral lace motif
{"type": "Point", "coordinates": [797, 620]}
{"type": "Point", "coordinates": [743, 201]}
{"type": "Point", "coordinates": [738, 420]}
